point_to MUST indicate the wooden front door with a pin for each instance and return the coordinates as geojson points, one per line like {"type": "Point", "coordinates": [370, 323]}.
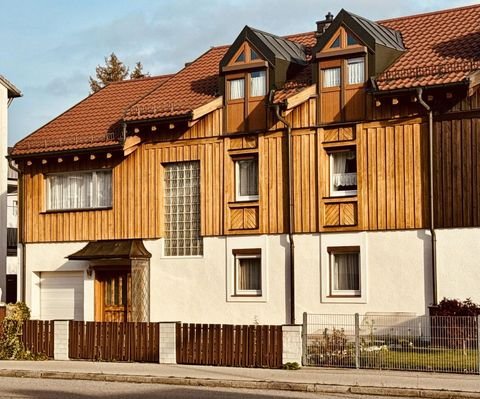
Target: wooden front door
{"type": "Point", "coordinates": [113, 296]}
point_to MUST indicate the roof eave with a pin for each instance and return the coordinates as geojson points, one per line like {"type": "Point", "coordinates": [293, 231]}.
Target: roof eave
{"type": "Point", "coordinates": [112, 147]}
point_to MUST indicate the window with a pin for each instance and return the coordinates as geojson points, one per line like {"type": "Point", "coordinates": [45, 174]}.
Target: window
{"type": "Point", "coordinates": [182, 209]}
{"type": "Point", "coordinates": [356, 71]}
{"type": "Point", "coordinates": [237, 89]}
{"type": "Point", "coordinates": [351, 40]}
{"type": "Point", "coordinates": [331, 77]}
{"type": "Point", "coordinates": [241, 57]}
{"type": "Point", "coordinates": [336, 43]}
{"type": "Point", "coordinates": [248, 273]}
{"type": "Point", "coordinates": [258, 84]}
{"type": "Point", "coordinates": [253, 55]}
{"type": "Point", "coordinates": [12, 241]}
{"type": "Point", "coordinates": [344, 271]}
{"type": "Point", "coordinates": [343, 173]}
{"type": "Point", "coordinates": [80, 190]}
{"type": "Point", "coordinates": [246, 179]}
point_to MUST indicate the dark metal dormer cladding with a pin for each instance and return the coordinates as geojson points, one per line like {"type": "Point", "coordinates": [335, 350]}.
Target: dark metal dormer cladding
{"type": "Point", "coordinates": [384, 45]}
{"type": "Point", "coordinates": [279, 53]}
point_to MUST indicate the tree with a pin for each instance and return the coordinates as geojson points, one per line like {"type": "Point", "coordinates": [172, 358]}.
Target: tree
{"type": "Point", "coordinates": [114, 71]}
{"type": "Point", "coordinates": [138, 73]}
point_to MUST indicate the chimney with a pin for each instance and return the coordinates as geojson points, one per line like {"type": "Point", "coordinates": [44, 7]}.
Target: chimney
{"type": "Point", "coordinates": [323, 25]}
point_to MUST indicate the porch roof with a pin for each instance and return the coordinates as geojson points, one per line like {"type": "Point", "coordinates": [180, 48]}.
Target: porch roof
{"type": "Point", "coordinates": [112, 249]}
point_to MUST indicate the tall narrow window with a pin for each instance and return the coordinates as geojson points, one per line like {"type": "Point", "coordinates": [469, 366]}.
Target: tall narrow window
{"type": "Point", "coordinates": [344, 271]}
{"type": "Point", "coordinates": [182, 209]}
{"type": "Point", "coordinates": [331, 77]}
{"type": "Point", "coordinates": [356, 71]}
{"type": "Point", "coordinates": [258, 84]}
{"type": "Point", "coordinates": [343, 173]}
{"type": "Point", "coordinates": [248, 274]}
{"type": "Point", "coordinates": [246, 179]}
{"type": "Point", "coordinates": [237, 89]}
{"type": "Point", "coordinates": [81, 190]}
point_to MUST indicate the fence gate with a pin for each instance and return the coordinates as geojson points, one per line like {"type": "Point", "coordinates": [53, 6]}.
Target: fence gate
{"type": "Point", "coordinates": [229, 345]}
{"type": "Point", "coordinates": [395, 341]}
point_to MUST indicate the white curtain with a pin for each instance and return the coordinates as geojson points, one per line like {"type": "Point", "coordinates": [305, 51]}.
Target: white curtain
{"type": "Point", "coordinates": [356, 71]}
{"type": "Point", "coordinates": [104, 189]}
{"type": "Point", "coordinates": [331, 77]}
{"type": "Point", "coordinates": [258, 84]}
{"type": "Point", "coordinates": [248, 177]}
{"type": "Point", "coordinates": [340, 176]}
{"type": "Point", "coordinates": [249, 274]}
{"type": "Point", "coordinates": [346, 274]}
{"type": "Point", "coordinates": [237, 89]}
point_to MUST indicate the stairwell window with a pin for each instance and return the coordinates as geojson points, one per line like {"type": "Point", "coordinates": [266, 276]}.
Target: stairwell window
{"type": "Point", "coordinates": [248, 273]}
{"type": "Point", "coordinates": [343, 173]}
{"type": "Point", "coordinates": [344, 271]}
{"type": "Point", "coordinates": [79, 190]}
{"type": "Point", "coordinates": [182, 209]}
{"type": "Point", "coordinates": [246, 179]}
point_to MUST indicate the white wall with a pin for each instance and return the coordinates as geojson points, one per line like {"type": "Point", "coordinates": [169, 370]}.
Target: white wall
{"type": "Point", "coordinates": [395, 272]}
{"type": "Point", "coordinates": [458, 263]}
{"type": "Point", "coordinates": [3, 186]}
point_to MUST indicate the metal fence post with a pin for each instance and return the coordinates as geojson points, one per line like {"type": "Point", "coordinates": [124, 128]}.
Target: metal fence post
{"type": "Point", "coordinates": [478, 344]}
{"type": "Point", "coordinates": [357, 341]}
{"type": "Point", "coordinates": [304, 339]}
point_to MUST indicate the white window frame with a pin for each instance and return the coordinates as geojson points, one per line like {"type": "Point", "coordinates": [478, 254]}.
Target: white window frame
{"type": "Point", "coordinates": [237, 290]}
{"type": "Point", "coordinates": [345, 293]}
{"type": "Point", "coordinates": [333, 191]}
{"type": "Point", "coordinates": [352, 61]}
{"type": "Point", "coordinates": [238, 196]}
{"type": "Point", "coordinates": [94, 190]}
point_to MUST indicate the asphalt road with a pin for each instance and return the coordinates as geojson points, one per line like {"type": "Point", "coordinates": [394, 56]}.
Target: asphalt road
{"type": "Point", "coordinates": [62, 389]}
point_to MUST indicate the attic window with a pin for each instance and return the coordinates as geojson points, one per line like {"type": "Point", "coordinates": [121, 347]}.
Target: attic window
{"type": "Point", "coordinates": [336, 43]}
{"type": "Point", "coordinates": [241, 57]}
{"type": "Point", "coordinates": [253, 55]}
{"type": "Point", "coordinates": [351, 40]}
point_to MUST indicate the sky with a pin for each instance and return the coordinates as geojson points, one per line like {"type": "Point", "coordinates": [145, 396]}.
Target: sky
{"type": "Point", "coordinates": [49, 48]}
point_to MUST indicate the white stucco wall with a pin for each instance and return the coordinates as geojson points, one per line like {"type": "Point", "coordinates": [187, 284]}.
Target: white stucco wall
{"type": "Point", "coordinates": [458, 263]}
{"type": "Point", "coordinates": [3, 186]}
{"type": "Point", "coordinates": [395, 272]}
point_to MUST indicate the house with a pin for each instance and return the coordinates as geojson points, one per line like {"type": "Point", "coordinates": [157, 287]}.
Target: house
{"type": "Point", "coordinates": [12, 266]}
{"type": "Point", "coordinates": [333, 171]}
{"type": "Point", "coordinates": [7, 93]}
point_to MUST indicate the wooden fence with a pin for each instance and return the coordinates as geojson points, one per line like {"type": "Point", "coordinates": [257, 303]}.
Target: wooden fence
{"type": "Point", "coordinates": [109, 341]}
{"type": "Point", "coordinates": [229, 345]}
{"type": "Point", "coordinates": [38, 337]}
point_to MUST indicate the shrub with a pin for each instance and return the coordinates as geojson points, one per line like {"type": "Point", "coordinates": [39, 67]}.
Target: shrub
{"type": "Point", "coordinates": [456, 307]}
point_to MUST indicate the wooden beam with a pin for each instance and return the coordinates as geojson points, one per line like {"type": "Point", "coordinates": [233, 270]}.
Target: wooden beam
{"type": "Point", "coordinates": [378, 103]}
{"type": "Point", "coordinates": [29, 163]}
{"type": "Point", "coordinates": [136, 130]}
{"type": "Point", "coordinates": [171, 126]}
{"type": "Point", "coordinates": [75, 158]}
{"type": "Point", "coordinates": [60, 160]}
{"type": "Point", "coordinates": [131, 144]}
{"type": "Point", "coordinates": [129, 150]}
{"type": "Point", "coordinates": [474, 82]}
{"type": "Point", "coordinates": [394, 101]}
{"type": "Point", "coordinates": [207, 108]}
{"type": "Point", "coordinates": [109, 155]}
{"type": "Point", "coordinates": [301, 96]}
{"type": "Point", "coordinates": [92, 157]}
{"type": "Point", "coordinates": [154, 128]}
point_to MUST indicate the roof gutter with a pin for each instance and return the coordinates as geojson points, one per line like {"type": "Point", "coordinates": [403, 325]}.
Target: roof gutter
{"type": "Point", "coordinates": [288, 129]}
{"type": "Point", "coordinates": [430, 178]}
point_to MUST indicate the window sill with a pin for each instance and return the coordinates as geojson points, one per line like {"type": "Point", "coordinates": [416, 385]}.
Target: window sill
{"type": "Point", "coordinates": [243, 204]}
{"type": "Point", "coordinates": [246, 296]}
{"type": "Point", "coordinates": [343, 198]}
{"type": "Point", "coordinates": [106, 208]}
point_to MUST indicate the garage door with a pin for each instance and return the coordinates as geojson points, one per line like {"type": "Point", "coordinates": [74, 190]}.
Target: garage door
{"type": "Point", "coordinates": [61, 296]}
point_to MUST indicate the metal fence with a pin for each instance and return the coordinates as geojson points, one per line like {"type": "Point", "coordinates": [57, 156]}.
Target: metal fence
{"type": "Point", "coordinates": [399, 341]}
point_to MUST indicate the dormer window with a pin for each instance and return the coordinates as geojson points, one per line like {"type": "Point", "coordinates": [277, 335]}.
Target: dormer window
{"type": "Point", "coordinates": [331, 77]}
{"type": "Point", "coordinates": [253, 55]}
{"type": "Point", "coordinates": [351, 40]}
{"type": "Point", "coordinates": [240, 58]}
{"type": "Point", "coordinates": [258, 83]}
{"type": "Point", "coordinates": [237, 89]}
{"type": "Point", "coordinates": [356, 71]}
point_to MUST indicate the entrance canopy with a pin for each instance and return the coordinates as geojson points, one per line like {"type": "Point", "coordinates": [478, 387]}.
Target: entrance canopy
{"type": "Point", "coordinates": [112, 249]}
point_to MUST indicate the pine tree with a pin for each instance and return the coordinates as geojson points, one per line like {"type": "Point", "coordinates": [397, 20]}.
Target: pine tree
{"type": "Point", "coordinates": [138, 73]}
{"type": "Point", "coordinates": [113, 71]}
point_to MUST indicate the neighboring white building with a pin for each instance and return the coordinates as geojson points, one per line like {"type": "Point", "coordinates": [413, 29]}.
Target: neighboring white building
{"type": "Point", "coordinates": [7, 93]}
{"type": "Point", "coordinates": [13, 271]}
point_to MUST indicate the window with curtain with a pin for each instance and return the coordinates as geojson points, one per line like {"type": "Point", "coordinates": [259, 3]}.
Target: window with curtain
{"type": "Point", "coordinates": [80, 190]}
{"type": "Point", "coordinates": [343, 173]}
{"type": "Point", "coordinates": [258, 84]}
{"type": "Point", "coordinates": [356, 71]}
{"type": "Point", "coordinates": [331, 77]}
{"type": "Point", "coordinates": [237, 89]}
{"type": "Point", "coordinates": [182, 209]}
{"type": "Point", "coordinates": [248, 274]}
{"type": "Point", "coordinates": [345, 273]}
{"type": "Point", "coordinates": [246, 179]}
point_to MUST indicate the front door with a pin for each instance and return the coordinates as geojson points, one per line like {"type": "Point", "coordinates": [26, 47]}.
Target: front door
{"type": "Point", "coordinates": [113, 295]}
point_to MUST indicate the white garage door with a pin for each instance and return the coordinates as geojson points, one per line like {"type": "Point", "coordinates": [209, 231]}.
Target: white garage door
{"type": "Point", "coordinates": [61, 296]}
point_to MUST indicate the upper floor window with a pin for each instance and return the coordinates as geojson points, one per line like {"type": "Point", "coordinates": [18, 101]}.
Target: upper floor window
{"type": "Point", "coordinates": [246, 179]}
{"type": "Point", "coordinates": [79, 190]}
{"type": "Point", "coordinates": [258, 83]}
{"type": "Point", "coordinates": [331, 77]}
{"type": "Point", "coordinates": [182, 209]}
{"type": "Point", "coordinates": [356, 71]}
{"type": "Point", "coordinates": [343, 173]}
{"type": "Point", "coordinates": [237, 89]}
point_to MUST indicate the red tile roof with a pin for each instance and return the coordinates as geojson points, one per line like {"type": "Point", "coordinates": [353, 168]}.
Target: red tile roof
{"type": "Point", "coordinates": [93, 122]}
{"type": "Point", "coordinates": [442, 47]}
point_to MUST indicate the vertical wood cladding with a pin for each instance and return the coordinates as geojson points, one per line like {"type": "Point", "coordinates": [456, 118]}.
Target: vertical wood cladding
{"type": "Point", "coordinates": [457, 172]}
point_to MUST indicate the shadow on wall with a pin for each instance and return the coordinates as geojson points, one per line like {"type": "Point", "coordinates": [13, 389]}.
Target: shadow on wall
{"type": "Point", "coordinates": [427, 266]}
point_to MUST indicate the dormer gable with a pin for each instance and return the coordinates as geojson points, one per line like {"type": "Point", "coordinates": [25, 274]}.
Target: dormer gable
{"type": "Point", "coordinates": [383, 44]}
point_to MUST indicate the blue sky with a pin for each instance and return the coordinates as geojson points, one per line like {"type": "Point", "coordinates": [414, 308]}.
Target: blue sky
{"type": "Point", "coordinates": [49, 48]}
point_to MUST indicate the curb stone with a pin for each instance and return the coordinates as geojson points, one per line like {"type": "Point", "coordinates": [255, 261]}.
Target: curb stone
{"type": "Point", "coordinates": [245, 384]}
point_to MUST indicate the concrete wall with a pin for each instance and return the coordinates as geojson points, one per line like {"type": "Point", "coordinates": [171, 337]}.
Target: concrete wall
{"type": "Point", "coordinates": [3, 187]}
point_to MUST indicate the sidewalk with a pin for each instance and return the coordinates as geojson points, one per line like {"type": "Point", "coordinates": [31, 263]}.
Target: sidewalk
{"type": "Point", "coordinates": [374, 382]}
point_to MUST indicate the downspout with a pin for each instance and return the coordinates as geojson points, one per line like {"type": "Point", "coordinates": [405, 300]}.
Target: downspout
{"type": "Point", "coordinates": [430, 178]}
{"type": "Point", "coordinates": [288, 127]}
{"type": "Point", "coordinates": [20, 240]}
